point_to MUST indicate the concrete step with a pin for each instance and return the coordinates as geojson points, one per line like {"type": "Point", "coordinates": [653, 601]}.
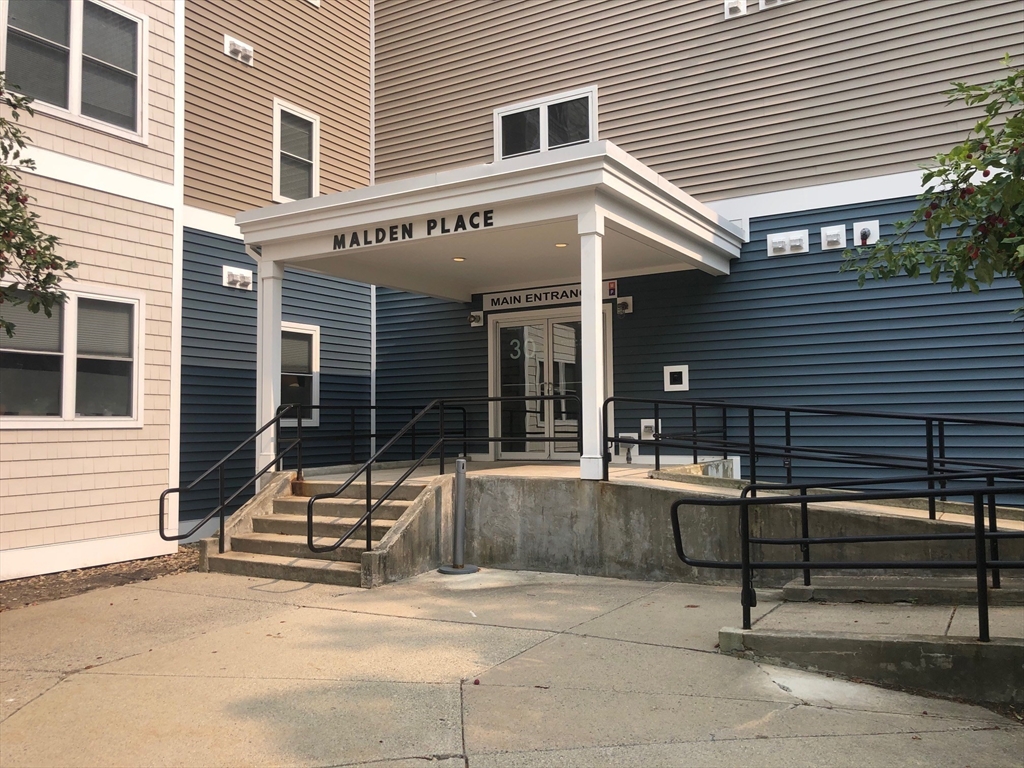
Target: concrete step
{"type": "Point", "coordinates": [404, 492]}
{"type": "Point", "coordinates": [287, 568]}
{"type": "Point", "coordinates": [297, 505]}
{"type": "Point", "coordinates": [295, 546]}
{"type": "Point", "coordinates": [328, 527]}
{"type": "Point", "coordinates": [936, 590]}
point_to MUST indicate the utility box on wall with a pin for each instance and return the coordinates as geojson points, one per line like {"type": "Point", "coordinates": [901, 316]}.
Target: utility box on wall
{"type": "Point", "coordinates": [677, 378]}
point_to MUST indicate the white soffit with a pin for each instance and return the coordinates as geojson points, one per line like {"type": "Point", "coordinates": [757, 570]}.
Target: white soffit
{"type": "Point", "coordinates": [513, 212]}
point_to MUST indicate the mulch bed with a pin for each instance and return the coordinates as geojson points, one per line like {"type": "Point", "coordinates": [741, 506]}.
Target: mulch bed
{"type": "Point", "coordinates": [20, 593]}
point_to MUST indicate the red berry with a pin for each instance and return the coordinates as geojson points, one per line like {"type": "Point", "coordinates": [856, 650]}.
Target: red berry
{"type": "Point", "coordinates": [970, 156]}
{"type": "Point", "coordinates": [986, 173]}
{"type": "Point", "coordinates": [927, 214]}
{"type": "Point", "coordinates": [969, 190]}
{"type": "Point", "coordinates": [935, 205]}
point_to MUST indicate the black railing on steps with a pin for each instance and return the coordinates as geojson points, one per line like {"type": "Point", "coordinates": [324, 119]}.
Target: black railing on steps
{"type": "Point", "coordinates": [289, 418]}
{"type": "Point", "coordinates": [219, 468]}
{"type": "Point", "coordinates": [979, 486]}
{"type": "Point", "coordinates": [439, 406]}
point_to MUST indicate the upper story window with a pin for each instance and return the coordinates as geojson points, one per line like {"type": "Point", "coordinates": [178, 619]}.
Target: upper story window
{"type": "Point", "coordinates": [296, 153]}
{"type": "Point", "coordinates": [84, 58]}
{"type": "Point", "coordinates": [547, 123]}
{"type": "Point", "coordinates": [79, 367]}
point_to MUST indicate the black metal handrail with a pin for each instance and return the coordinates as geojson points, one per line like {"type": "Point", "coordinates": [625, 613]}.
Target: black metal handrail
{"type": "Point", "coordinates": [219, 468]}
{"type": "Point", "coordinates": [441, 405]}
{"type": "Point", "coordinates": [982, 563]}
{"type": "Point", "coordinates": [353, 435]}
{"type": "Point", "coordinates": [934, 459]}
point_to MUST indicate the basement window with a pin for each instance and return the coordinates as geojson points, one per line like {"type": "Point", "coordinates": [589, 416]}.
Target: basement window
{"type": "Point", "coordinates": [551, 122]}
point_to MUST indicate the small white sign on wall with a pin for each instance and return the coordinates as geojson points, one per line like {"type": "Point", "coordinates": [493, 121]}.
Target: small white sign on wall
{"type": "Point", "coordinates": [677, 378]}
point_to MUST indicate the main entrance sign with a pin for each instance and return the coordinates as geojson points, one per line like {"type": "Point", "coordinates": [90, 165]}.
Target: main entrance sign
{"type": "Point", "coordinates": [543, 297]}
{"type": "Point", "coordinates": [411, 230]}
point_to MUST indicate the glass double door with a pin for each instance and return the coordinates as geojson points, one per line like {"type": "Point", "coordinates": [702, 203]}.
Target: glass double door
{"type": "Point", "coordinates": [538, 358]}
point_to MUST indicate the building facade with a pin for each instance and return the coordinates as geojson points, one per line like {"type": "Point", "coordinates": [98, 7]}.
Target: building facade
{"type": "Point", "coordinates": [90, 396]}
{"type": "Point", "coordinates": [474, 199]}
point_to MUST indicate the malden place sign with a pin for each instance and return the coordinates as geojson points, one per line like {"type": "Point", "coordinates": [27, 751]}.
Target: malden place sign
{"type": "Point", "coordinates": [410, 230]}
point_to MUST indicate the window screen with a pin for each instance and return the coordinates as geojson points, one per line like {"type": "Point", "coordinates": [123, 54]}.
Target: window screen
{"type": "Point", "coordinates": [38, 49]}
{"type": "Point", "coordinates": [31, 362]}
{"type": "Point", "coordinates": [109, 66]}
{"type": "Point", "coordinates": [520, 133]}
{"type": "Point", "coordinates": [34, 331]}
{"type": "Point", "coordinates": [296, 157]}
{"type": "Point", "coordinates": [297, 372]}
{"type": "Point", "coordinates": [105, 351]}
{"type": "Point", "coordinates": [569, 122]}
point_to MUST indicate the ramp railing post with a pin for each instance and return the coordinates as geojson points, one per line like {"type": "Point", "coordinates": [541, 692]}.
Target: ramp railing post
{"type": "Point", "coordinates": [458, 565]}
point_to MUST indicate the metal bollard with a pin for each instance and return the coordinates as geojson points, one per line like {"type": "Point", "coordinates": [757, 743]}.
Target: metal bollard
{"type": "Point", "coordinates": [458, 566]}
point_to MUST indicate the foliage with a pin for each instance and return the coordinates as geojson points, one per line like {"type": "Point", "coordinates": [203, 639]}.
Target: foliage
{"type": "Point", "coordinates": [29, 263]}
{"type": "Point", "coordinates": [971, 214]}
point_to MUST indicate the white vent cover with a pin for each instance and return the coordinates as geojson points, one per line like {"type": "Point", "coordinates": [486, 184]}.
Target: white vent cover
{"type": "Point", "coordinates": [238, 50]}
{"type": "Point", "coordinates": [771, 3]}
{"type": "Point", "coordinates": [236, 277]}
{"type": "Point", "coordinates": [735, 8]}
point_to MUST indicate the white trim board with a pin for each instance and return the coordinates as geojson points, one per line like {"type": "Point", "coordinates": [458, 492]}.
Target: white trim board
{"type": "Point", "coordinates": [102, 178]}
{"type": "Point", "coordinates": [208, 221]}
{"type": "Point", "coordinates": [820, 196]}
{"type": "Point", "coordinates": [51, 558]}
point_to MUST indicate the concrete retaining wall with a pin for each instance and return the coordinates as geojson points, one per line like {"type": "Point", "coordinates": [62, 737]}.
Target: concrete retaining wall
{"type": "Point", "coordinates": [419, 541]}
{"type": "Point", "coordinates": [624, 531]}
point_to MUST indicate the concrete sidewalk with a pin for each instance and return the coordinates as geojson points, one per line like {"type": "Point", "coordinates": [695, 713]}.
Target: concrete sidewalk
{"type": "Point", "coordinates": [216, 670]}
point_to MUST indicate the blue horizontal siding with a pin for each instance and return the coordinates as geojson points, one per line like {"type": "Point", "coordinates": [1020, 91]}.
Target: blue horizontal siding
{"type": "Point", "coordinates": [426, 349]}
{"type": "Point", "coordinates": [793, 330]}
{"type": "Point", "coordinates": [219, 361]}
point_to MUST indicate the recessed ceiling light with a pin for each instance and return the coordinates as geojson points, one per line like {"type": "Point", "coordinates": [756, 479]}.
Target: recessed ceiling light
{"type": "Point", "coordinates": [560, 245]}
{"type": "Point", "coordinates": [458, 258]}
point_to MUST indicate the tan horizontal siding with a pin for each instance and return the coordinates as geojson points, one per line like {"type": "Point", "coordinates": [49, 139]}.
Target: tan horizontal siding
{"type": "Point", "coordinates": [314, 58]}
{"type": "Point", "coordinates": [806, 93]}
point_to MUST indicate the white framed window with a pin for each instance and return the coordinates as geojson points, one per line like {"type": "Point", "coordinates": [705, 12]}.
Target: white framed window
{"type": "Point", "coordinates": [296, 153]}
{"type": "Point", "coordinates": [546, 123]}
{"type": "Point", "coordinates": [81, 367]}
{"type": "Point", "coordinates": [81, 60]}
{"type": "Point", "coordinates": [300, 371]}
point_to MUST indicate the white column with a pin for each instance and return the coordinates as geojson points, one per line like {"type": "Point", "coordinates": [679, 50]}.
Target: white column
{"type": "Point", "coordinates": [268, 357]}
{"type": "Point", "coordinates": [591, 231]}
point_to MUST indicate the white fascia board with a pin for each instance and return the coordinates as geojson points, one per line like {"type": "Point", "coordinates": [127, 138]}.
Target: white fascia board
{"type": "Point", "coordinates": [833, 195]}
{"type": "Point", "coordinates": [514, 183]}
{"type": "Point", "coordinates": [208, 221]}
{"type": "Point", "coordinates": [102, 178]}
{"type": "Point", "coordinates": [665, 189]}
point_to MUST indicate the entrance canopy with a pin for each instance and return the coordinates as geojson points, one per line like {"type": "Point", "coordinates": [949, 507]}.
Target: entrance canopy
{"type": "Point", "coordinates": [580, 214]}
{"type": "Point", "coordinates": [504, 220]}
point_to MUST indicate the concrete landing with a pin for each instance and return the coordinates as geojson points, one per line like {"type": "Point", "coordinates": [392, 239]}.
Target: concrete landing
{"type": "Point", "coordinates": [496, 669]}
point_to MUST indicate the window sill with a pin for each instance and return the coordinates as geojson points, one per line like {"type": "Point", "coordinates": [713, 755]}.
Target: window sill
{"type": "Point", "coordinates": [55, 422]}
{"type": "Point", "coordinates": [50, 110]}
